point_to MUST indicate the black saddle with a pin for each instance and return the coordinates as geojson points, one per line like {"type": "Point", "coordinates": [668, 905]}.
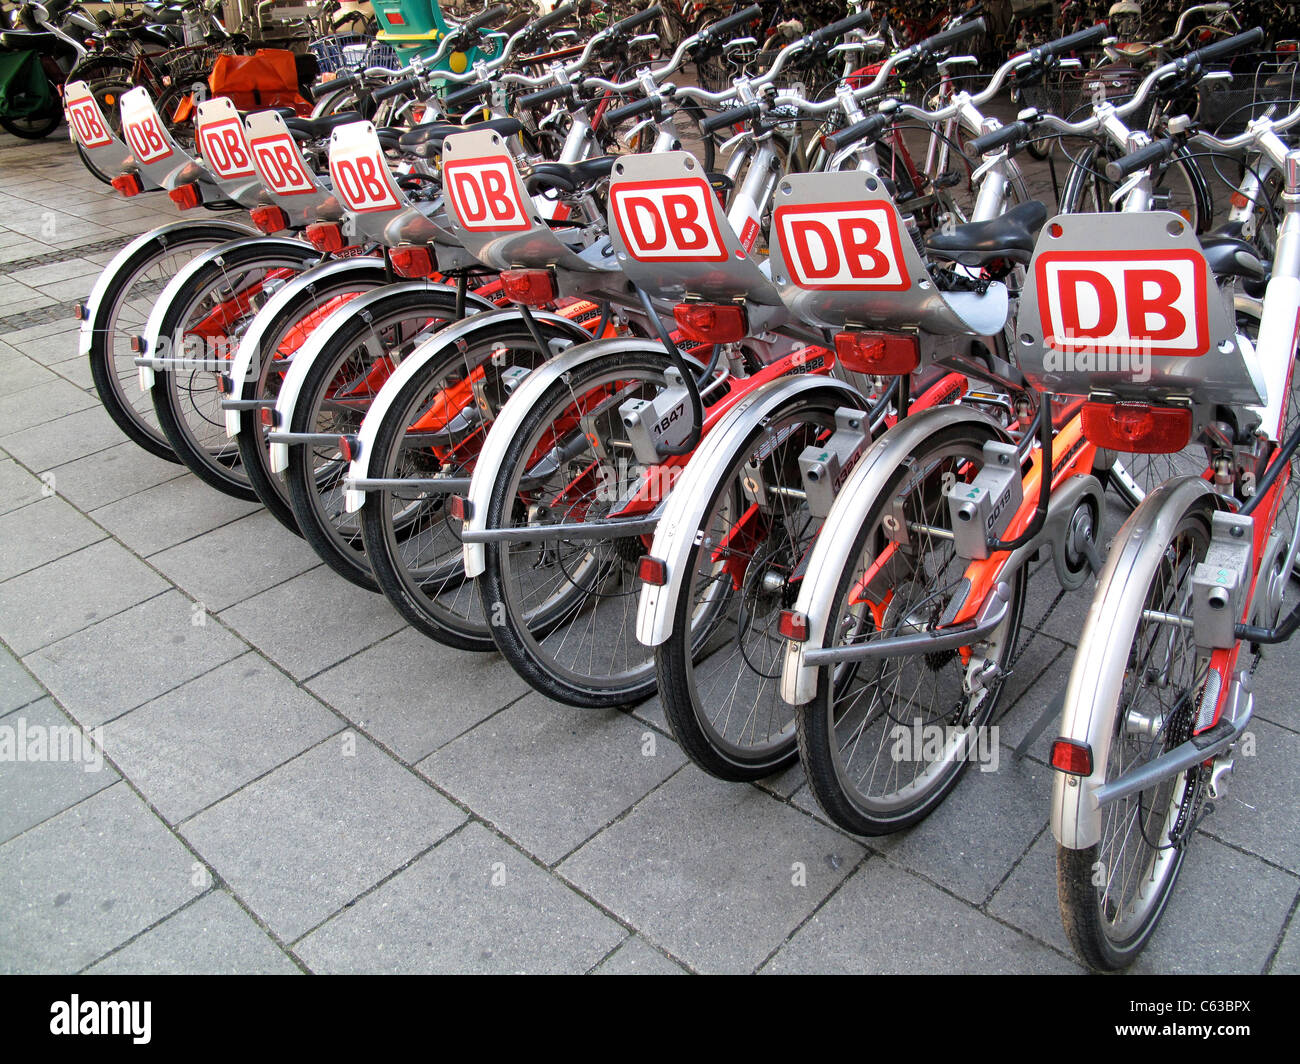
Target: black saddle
{"type": "Point", "coordinates": [1230, 256]}
{"type": "Point", "coordinates": [426, 140]}
{"type": "Point", "coordinates": [42, 41]}
{"type": "Point", "coordinates": [1009, 236]}
{"type": "Point", "coordinates": [319, 128]}
{"type": "Point", "coordinates": [567, 177]}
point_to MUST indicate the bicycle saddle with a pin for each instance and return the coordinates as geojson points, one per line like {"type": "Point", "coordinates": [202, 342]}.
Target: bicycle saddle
{"type": "Point", "coordinates": [567, 177]}
{"type": "Point", "coordinates": [1230, 256]}
{"type": "Point", "coordinates": [319, 128]}
{"type": "Point", "coordinates": [426, 140]}
{"type": "Point", "coordinates": [1009, 236]}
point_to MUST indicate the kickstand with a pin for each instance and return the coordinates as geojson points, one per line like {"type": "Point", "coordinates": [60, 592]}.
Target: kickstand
{"type": "Point", "coordinates": [1049, 714]}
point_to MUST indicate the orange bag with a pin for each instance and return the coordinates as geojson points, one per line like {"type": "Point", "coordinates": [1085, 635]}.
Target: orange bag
{"type": "Point", "coordinates": [258, 82]}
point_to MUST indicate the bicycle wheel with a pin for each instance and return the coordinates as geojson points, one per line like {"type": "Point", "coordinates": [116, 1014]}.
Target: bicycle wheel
{"type": "Point", "coordinates": [436, 427]}
{"type": "Point", "coordinates": [884, 740]}
{"type": "Point", "coordinates": [281, 339]}
{"type": "Point", "coordinates": [1113, 893]}
{"type": "Point", "coordinates": [341, 383]}
{"type": "Point", "coordinates": [719, 673]}
{"type": "Point", "coordinates": [132, 286]}
{"type": "Point", "coordinates": [213, 303]}
{"type": "Point", "coordinates": [567, 608]}
{"type": "Point", "coordinates": [1180, 188]}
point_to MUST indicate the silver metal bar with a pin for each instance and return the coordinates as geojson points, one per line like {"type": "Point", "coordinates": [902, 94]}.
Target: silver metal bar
{"type": "Point", "coordinates": [1164, 617]}
{"type": "Point", "coordinates": [992, 614]}
{"type": "Point", "coordinates": [445, 485]}
{"type": "Point", "coordinates": [247, 404]}
{"type": "Point", "coordinates": [304, 437]}
{"type": "Point", "coordinates": [574, 530]}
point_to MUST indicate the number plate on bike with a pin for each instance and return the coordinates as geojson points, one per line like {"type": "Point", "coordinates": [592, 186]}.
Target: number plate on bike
{"type": "Point", "coordinates": [85, 117]}
{"type": "Point", "coordinates": [143, 128]}
{"type": "Point", "coordinates": [1125, 303]}
{"type": "Point", "coordinates": [276, 156]}
{"type": "Point", "coordinates": [221, 139]}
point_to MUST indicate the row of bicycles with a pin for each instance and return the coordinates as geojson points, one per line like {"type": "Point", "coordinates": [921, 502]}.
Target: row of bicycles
{"type": "Point", "coordinates": [761, 403]}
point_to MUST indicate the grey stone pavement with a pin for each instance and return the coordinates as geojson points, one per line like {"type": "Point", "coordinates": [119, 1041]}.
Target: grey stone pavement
{"type": "Point", "coordinates": [294, 780]}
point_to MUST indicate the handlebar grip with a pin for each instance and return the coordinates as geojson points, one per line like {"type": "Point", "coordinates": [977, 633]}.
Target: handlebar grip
{"type": "Point", "coordinates": [1071, 41]}
{"type": "Point", "coordinates": [347, 81]}
{"type": "Point", "coordinates": [558, 14]}
{"type": "Point", "coordinates": [541, 96]}
{"type": "Point", "coordinates": [950, 36]}
{"type": "Point", "coordinates": [484, 18]}
{"type": "Point", "coordinates": [632, 110]}
{"type": "Point", "coordinates": [726, 25]}
{"type": "Point", "coordinates": [728, 118]}
{"type": "Point", "coordinates": [633, 21]}
{"type": "Point", "coordinates": [395, 88]}
{"type": "Point", "coordinates": [999, 138]}
{"type": "Point", "coordinates": [838, 29]}
{"type": "Point", "coordinates": [871, 126]}
{"type": "Point", "coordinates": [457, 99]}
{"type": "Point", "coordinates": [1220, 49]}
{"type": "Point", "coordinates": [514, 25]}
{"type": "Point", "coordinates": [1141, 159]}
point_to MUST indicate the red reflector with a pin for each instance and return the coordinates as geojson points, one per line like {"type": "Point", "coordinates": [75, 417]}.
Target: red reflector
{"type": "Point", "coordinates": [652, 571]}
{"type": "Point", "coordinates": [396, 18]}
{"type": "Point", "coordinates": [1074, 758]}
{"type": "Point", "coordinates": [269, 219]}
{"type": "Point", "coordinates": [185, 197]}
{"type": "Point", "coordinates": [459, 507]}
{"type": "Point", "coordinates": [1136, 428]}
{"type": "Point", "coordinates": [137, 344]}
{"type": "Point", "coordinates": [1240, 200]}
{"type": "Point", "coordinates": [128, 185]}
{"type": "Point", "coordinates": [793, 625]}
{"type": "Point", "coordinates": [880, 354]}
{"type": "Point", "coordinates": [325, 236]}
{"type": "Point", "coordinates": [349, 448]}
{"type": "Point", "coordinates": [533, 287]}
{"type": "Point", "coordinates": [711, 323]}
{"type": "Point", "coordinates": [412, 262]}
{"type": "Point", "coordinates": [79, 311]}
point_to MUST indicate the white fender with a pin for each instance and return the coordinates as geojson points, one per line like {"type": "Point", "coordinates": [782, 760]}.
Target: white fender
{"type": "Point", "coordinates": [179, 286]}
{"type": "Point", "coordinates": [565, 333]}
{"type": "Point", "coordinates": [305, 358]}
{"type": "Point", "coordinates": [161, 236]}
{"type": "Point", "coordinates": [250, 344]}
{"type": "Point", "coordinates": [1093, 690]}
{"type": "Point", "coordinates": [509, 422]}
{"type": "Point", "coordinates": [685, 509]}
{"type": "Point", "coordinates": [835, 541]}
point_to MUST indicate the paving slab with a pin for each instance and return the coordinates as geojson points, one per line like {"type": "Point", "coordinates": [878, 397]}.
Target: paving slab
{"type": "Point", "coordinates": [474, 904]}
{"type": "Point", "coordinates": [87, 880]}
{"type": "Point", "coordinates": [111, 474]}
{"type": "Point", "coordinates": [573, 771]}
{"type": "Point", "coordinates": [170, 513]}
{"type": "Point", "coordinates": [41, 532]}
{"type": "Point", "coordinates": [302, 842]}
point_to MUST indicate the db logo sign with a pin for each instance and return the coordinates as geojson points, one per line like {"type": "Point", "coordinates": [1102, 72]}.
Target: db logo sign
{"type": "Point", "coordinates": [277, 160]}
{"type": "Point", "coordinates": [485, 194]}
{"type": "Point", "coordinates": [145, 136]}
{"type": "Point", "coordinates": [362, 182]}
{"type": "Point", "coordinates": [842, 246]}
{"type": "Point", "coordinates": [1124, 302]}
{"type": "Point", "coordinates": [667, 220]}
{"type": "Point", "coordinates": [225, 148]}
{"type": "Point", "coordinates": [87, 122]}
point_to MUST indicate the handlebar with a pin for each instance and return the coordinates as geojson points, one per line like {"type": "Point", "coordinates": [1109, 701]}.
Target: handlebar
{"type": "Point", "coordinates": [838, 29]}
{"type": "Point", "coordinates": [999, 138]}
{"type": "Point", "coordinates": [632, 110]}
{"type": "Point", "coordinates": [743, 113]}
{"type": "Point", "coordinates": [633, 21]}
{"type": "Point", "coordinates": [459, 98]}
{"type": "Point", "coordinates": [725, 25]}
{"type": "Point", "coordinates": [870, 127]}
{"type": "Point", "coordinates": [1155, 152]}
{"type": "Point", "coordinates": [484, 18]}
{"type": "Point", "coordinates": [555, 92]}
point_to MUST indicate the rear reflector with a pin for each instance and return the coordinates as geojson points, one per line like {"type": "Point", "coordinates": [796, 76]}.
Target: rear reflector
{"type": "Point", "coordinates": [652, 571]}
{"type": "Point", "coordinates": [325, 236]}
{"type": "Point", "coordinates": [412, 262]}
{"type": "Point", "coordinates": [349, 448]}
{"type": "Point", "coordinates": [138, 345]}
{"type": "Point", "coordinates": [1072, 757]}
{"type": "Point", "coordinates": [711, 323]}
{"type": "Point", "coordinates": [878, 354]}
{"type": "Point", "coordinates": [535, 288]}
{"type": "Point", "coordinates": [1137, 428]}
{"type": "Point", "coordinates": [128, 185]}
{"type": "Point", "coordinates": [79, 311]}
{"type": "Point", "coordinates": [793, 625]}
{"type": "Point", "coordinates": [185, 196]}
{"type": "Point", "coordinates": [459, 507]}
{"type": "Point", "coordinates": [269, 219]}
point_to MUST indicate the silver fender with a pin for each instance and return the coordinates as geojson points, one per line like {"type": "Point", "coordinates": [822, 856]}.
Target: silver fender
{"type": "Point", "coordinates": [178, 286]}
{"type": "Point", "coordinates": [1092, 694]}
{"type": "Point", "coordinates": [685, 509]}
{"type": "Point", "coordinates": [250, 345]}
{"type": "Point", "coordinates": [509, 422]}
{"type": "Point", "coordinates": [835, 541]}
{"type": "Point", "coordinates": [300, 366]}
{"type": "Point", "coordinates": [564, 332]}
{"type": "Point", "coordinates": [161, 236]}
